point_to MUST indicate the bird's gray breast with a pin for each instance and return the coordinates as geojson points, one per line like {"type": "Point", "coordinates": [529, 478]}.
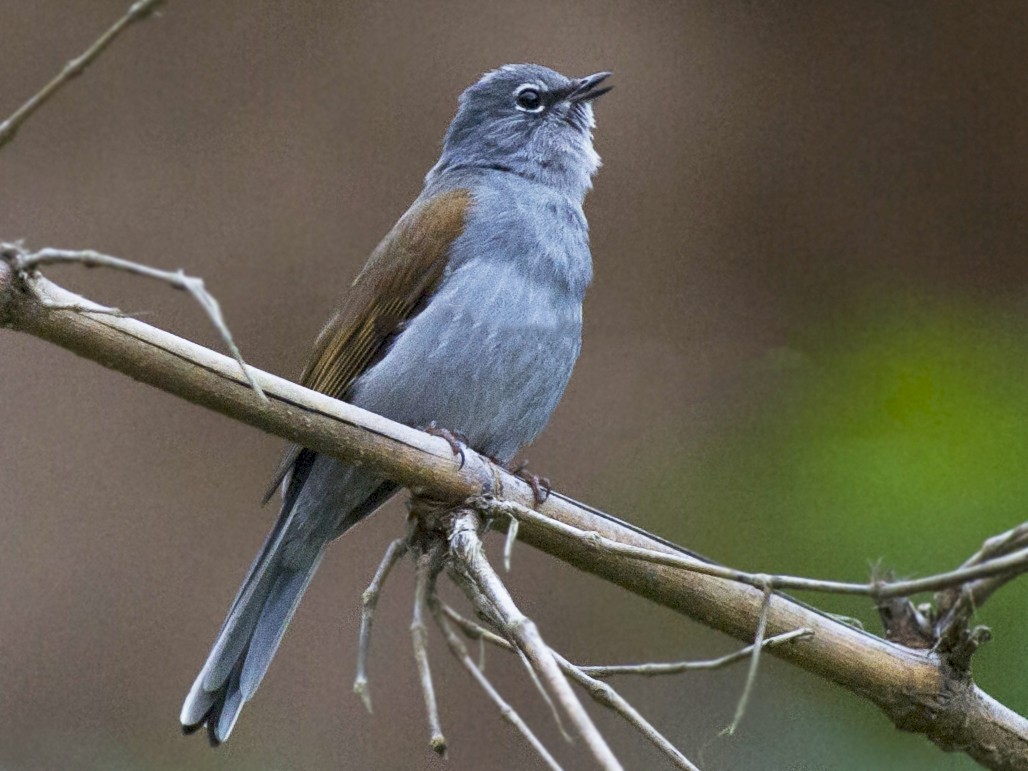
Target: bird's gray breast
{"type": "Point", "coordinates": [493, 349]}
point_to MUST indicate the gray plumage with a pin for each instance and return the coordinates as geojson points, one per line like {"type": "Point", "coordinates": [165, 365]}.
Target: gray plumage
{"type": "Point", "coordinates": [487, 352]}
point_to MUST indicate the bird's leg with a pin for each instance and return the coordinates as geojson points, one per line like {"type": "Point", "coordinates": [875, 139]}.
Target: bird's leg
{"type": "Point", "coordinates": [455, 439]}
{"type": "Point", "coordinates": [541, 487]}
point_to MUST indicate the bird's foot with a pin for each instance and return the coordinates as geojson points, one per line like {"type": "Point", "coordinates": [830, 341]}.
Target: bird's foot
{"type": "Point", "coordinates": [541, 487]}
{"type": "Point", "coordinates": [455, 439]}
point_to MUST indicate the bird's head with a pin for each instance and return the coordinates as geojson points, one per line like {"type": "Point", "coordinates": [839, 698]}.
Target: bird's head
{"type": "Point", "coordinates": [530, 120]}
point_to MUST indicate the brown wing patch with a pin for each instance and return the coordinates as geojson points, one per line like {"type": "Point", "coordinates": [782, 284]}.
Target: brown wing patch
{"type": "Point", "coordinates": [401, 273]}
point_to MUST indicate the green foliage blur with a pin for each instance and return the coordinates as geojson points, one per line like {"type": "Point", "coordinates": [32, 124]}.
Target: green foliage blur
{"type": "Point", "coordinates": [894, 434]}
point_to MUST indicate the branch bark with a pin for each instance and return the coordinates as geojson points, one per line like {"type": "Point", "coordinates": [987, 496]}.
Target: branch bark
{"type": "Point", "coordinates": [914, 688]}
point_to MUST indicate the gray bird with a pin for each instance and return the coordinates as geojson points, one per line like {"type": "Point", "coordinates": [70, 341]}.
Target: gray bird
{"type": "Point", "coordinates": [467, 315]}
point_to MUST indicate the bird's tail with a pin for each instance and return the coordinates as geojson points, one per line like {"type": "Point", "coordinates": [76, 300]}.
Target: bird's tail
{"type": "Point", "coordinates": [252, 632]}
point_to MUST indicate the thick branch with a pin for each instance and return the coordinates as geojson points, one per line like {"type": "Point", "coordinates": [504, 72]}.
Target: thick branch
{"type": "Point", "coordinates": [912, 687]}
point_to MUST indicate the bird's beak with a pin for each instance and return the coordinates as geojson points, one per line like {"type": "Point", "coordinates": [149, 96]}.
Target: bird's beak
{"type": "Point", "coordinates": [584, 89]}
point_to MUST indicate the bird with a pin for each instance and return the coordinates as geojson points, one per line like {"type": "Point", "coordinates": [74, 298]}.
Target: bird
{"type": "Point", "coordinates": [467, 316]}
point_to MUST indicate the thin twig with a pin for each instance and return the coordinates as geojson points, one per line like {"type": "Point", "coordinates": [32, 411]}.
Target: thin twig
{"type": "Point", "coordinates": [751, 674]}
{"type": "Point", "coordinates": [538, 683]}
{"type": "Point", "coordinates": [677, 667]}
{"type": "Point", "coordinates": [475, 631]}
{"type": "Point", "coordinates": [419, 635]}
{"type": "Point", "coordinates": [958, 604]}
{"type": "Point", "coordinates": [486, 590]}
{"type": "Point", "coordinates": [1012, 564]}
{"type": "Point", "coordinates": [137, 11]}
{"type": "Point", "coordinates": [610, 698]}
{"type": "Point", "coordinates": [369, 601]}
{"type": "Point", "coordinates": [26, 263]}
{"type": "Point", "coordinates": [601, 692]}
{"type": "Point", "coordinates": [950, 621]}
{"type": "Point", "coordinates": [507, 712]}
{"type": "Point", "coordinates": [998, 545]}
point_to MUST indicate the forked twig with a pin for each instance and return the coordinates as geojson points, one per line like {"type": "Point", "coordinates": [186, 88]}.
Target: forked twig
{"type": "Point", "coordinates": [508, 713]}
{"type": "Point", "coordinates": [958, 604]}
{"type": "Point", "coordinates": [137, 11]}
{"type": "Point", "coordinates": [608, 697]}
{"type": "Point", "coordinates": [470, 569]}
{"type": "Point", "coordinates": [601, 692]}
{"type": "Point", "coordinates": [369, 601]}
{"type": "Point", "coordinates": [474, 630]}
{"type": "Point", "coordinates": [998, 545]}
{"type": "Point", "coordinates": [26, 262]}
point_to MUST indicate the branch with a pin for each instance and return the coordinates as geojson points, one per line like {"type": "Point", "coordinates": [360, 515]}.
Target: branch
{"type": "Point", "coordinates": [136, 12]}
{"type": "Point", "coordinates": [508, 713]}
{"type": "Point", "coordinates": [957, 604]}
{"type": "Point", "coordinates": [915, 688]}
{"type": "Point", "coordinates": [608, 697]}
{"type": "Point", "coordinates": [472, 571]}
{"type": "Point", "coordinates": [601, 692]}
{"type": "Point", "coordinates": [998, 568]}
{"type": "Point", "coordinates": [23, 262]}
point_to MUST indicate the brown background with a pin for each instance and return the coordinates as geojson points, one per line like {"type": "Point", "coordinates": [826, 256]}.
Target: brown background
{"type": "Point", "coordinates": [768, 168]}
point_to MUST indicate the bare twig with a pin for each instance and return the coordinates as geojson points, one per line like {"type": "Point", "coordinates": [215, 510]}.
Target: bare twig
{"type": "Point", "coordinates": [601, 692]}
{"type": "Point", "coordinates": [677, 667]}
{"type": "Point", "coordinates": [27, 263]}
{"type": "Point", "coordinates": [998, 545]}
{"type": "Point", "coordinates": [508, 713]}
{"type": "Point", "coordinates": [137, 11]}
{"type": "Point", "coordinates": [545, 694]}
{"type": "Point", "coordinates": [475, 631]}
{"type": "Point", "coordinates": [1007, 567]}
{"type": "Point", "coordinates": [427, 567]}
{"type": "Point", "coordinates": [1010, 564]}
{"type": "Point", "coordinates": [614, 701]}
{"type": "Point", "coordinates": [535, 678]}
{"type": "Point", "coordinates": [751, 675]}
{"type": "Point", "coordinates": [369, 601]}
{"type": "Point", "coordinates": [485, 589]}
{"type": "Point", "coordinates": [957, 604]}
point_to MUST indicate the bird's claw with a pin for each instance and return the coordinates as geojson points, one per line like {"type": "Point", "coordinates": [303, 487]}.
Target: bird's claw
{"type": "Point", "coordinates": [455, 439]}
{"type": "Point", "coordinates": [541, 487]}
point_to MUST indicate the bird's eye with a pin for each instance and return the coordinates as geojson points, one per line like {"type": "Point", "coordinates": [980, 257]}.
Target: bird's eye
{"type": "Point", "coordinates": [528, 99]}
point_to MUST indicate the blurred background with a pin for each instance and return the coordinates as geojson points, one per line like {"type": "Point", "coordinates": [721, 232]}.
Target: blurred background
{"type": "Point", "coordinates": [805, 352]}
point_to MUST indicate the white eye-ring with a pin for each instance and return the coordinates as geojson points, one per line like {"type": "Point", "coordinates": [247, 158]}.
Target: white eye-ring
{"type": "Point", "coordinates": [528, 98]}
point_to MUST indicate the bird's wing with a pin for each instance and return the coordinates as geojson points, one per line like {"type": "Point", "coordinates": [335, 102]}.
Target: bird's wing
{"type": "Point", "coordinates": [402, 272]}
